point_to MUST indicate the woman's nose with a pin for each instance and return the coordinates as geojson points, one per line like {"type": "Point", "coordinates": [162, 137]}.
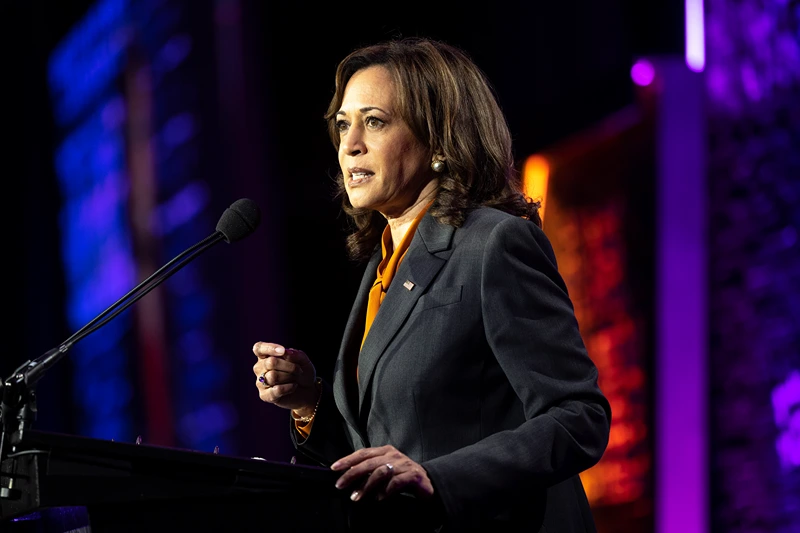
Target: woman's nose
{"type": "Point", "coordinates": [353, 142]}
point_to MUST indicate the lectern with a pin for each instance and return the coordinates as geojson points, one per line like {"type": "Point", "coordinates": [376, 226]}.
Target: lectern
{"type": "Point", "coordinates": [54, 483]}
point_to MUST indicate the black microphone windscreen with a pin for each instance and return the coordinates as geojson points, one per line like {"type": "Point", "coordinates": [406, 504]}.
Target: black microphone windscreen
{"type": "Point", "coordinates": [239, 220]}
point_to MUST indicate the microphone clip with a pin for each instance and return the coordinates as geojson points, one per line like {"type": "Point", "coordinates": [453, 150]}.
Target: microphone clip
{"type": "Point", "coordinates": [18, 409]}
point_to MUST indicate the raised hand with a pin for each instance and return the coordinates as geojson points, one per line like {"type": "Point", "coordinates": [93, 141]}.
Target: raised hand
{"type": "Point", "coordinates": [285, 377]}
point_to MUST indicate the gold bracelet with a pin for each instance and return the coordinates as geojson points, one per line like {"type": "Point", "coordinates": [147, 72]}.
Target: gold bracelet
{"type": "Point", "coordinates": [306, 419]}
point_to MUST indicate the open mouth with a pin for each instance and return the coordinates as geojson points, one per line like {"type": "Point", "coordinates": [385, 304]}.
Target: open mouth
{"type": "Point", "coordinates": [359, 177]}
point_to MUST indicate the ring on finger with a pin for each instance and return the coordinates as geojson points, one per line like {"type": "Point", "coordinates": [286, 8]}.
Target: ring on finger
{"type": "Point", "coordinates": [390, 468]}
{"type": "Point", "coordinates": [263, 379]}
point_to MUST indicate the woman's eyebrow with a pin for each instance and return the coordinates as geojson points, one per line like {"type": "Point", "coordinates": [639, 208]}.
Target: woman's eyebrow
{"type": "Point", "coordinates": [364, 110]}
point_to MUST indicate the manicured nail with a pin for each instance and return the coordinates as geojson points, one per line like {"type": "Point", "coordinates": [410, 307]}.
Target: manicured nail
{"type": "Point", "coordinates": [336, 465]}
{"type": "Point", "coordinates": [355, 496]}
{"type": "Point", "coordinates": [279, 350]}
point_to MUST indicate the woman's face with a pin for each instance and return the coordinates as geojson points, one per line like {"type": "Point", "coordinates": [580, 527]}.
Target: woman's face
{"type": "Point", "coordinates": [384, 166]}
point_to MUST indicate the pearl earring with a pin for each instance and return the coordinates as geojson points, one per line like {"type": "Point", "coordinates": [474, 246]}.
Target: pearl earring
{"type": "Point", "coordinates": [437, 165]}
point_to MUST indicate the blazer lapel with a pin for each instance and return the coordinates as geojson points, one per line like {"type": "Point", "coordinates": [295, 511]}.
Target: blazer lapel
{"type": "Point", "coordinates": [428, 252]}
{"type": "Point", "coordinates": [348, 351]}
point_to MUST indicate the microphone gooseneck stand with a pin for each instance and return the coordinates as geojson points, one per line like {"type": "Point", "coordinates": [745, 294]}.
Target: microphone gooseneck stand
{"type": "Point", "coordinates": [18, 404]}
{"type": "Point", "coordinates": [17, 392]}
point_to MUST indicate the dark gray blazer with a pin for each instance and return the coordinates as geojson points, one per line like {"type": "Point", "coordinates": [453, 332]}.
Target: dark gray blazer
{"type": "Point", "coordinates": [474, 367]}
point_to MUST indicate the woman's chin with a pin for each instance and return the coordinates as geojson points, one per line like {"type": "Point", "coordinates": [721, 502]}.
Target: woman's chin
{"type": "Point", "coordinates": [358, 201]}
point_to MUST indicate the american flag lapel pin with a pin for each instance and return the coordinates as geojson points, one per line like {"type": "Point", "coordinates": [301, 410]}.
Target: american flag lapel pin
{"type": "Point", "coordinates": [408, 284]}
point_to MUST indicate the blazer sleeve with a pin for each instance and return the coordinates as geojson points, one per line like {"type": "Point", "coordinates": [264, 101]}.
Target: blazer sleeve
{"type": "Point", "coordinates": [328, 440]}
{"type": "Point", "coordinates": [532, 331]}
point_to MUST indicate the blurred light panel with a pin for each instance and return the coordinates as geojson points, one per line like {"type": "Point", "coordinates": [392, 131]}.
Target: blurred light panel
{"type": "Point", "coordinates": [126, 159]}
{"type": "Point", "coordinates": [695, 36]}
{"type": "Point", "coordinates": [786, 406]}
{"type": "Point", "coordinates": [643, 72]}
{"type": "Point", "coordinates": [534, 179]}
{"type": "Point", "coordinates": [97, 250]}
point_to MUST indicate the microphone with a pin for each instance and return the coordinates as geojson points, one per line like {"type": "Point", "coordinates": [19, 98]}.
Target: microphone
{"type": "Point", "coordinates": [237, 222]}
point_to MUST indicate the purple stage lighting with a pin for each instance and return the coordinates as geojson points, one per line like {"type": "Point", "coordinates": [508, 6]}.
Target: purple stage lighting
{"type": "Point", "coordinates": [643, 72]}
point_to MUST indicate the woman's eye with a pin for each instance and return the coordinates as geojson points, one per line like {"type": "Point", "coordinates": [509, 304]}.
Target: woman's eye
{"type": "Point", "coordinates": [341, 126]}
{"type": "Point", "coordinates": [373, 122]}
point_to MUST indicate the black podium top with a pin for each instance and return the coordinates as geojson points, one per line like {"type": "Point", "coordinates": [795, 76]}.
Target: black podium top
{"type": "Point", "coordinates": [56, 483]}
{"type": "Point", "coordinates": [132, 487]}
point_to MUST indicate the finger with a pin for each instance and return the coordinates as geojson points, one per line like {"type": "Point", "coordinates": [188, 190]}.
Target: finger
{"type": "Point", "coordinates": [274, 371]}
{"type": "Point", "coordinates": [293, 361]}
{"type": "Point", "coordinates": [266, 349]}
{"type": "Point", "coordinates": [277, 364]}
{"type": "Point", "coordinates": [358, 456]}
{"type": "Point", "coordinates": [275, 393]}
{"type": "Point", "coordinates": [271, 378]}
{"type": "Point", "coordinates": [414, 480]}
{"type": "Point", "coordinates": [261, 383]}
{"type": "Point", "coordinates": [301, 359]}
{"type": "Point", "coordinates": [362, 470]}
{"type": "Point", "coordinates": [376, 482]}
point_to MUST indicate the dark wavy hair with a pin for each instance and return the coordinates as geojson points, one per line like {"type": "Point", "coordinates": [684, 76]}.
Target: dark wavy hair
{"type": "Point", "coordinates": [451, 107]}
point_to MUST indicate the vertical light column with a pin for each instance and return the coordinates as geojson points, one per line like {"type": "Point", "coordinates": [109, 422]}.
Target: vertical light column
{"type": "Point", "coordinates": [98, 262]}
{"type": "Point", "coordinates": [681, 381]}
{"type": "Point", "coordinates": [535, 178]}
{"type": "Point", "coordinates": [695, 48]}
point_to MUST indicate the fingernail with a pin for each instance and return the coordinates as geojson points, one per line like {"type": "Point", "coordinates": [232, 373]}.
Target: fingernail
{"type": "Point", "coordinates": [336, 465]}
{"type": "Point", "coordinates": [339, 484]}
{"type": "Point", "coordinates": [279, 350]}
{"type": "Point", "coordinates": [355, 496]}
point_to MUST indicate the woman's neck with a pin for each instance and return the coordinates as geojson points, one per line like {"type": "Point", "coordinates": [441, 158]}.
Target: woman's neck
{"type": "Point", "coordinates": [399, 225]}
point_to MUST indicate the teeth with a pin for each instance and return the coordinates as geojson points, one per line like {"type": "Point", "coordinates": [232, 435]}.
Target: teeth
{"type": "Point", "coordinates": [359, 175]}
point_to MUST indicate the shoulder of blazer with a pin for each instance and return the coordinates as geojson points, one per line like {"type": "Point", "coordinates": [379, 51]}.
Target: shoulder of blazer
{"type": "Point", "coordinates": [487, 215]}
{"type": "Point", "coordinates": [479, 222]}
{"type": "Point", "coordinates": [484, 220]}
{"type": "Point", "coordinates": [487, 224]}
